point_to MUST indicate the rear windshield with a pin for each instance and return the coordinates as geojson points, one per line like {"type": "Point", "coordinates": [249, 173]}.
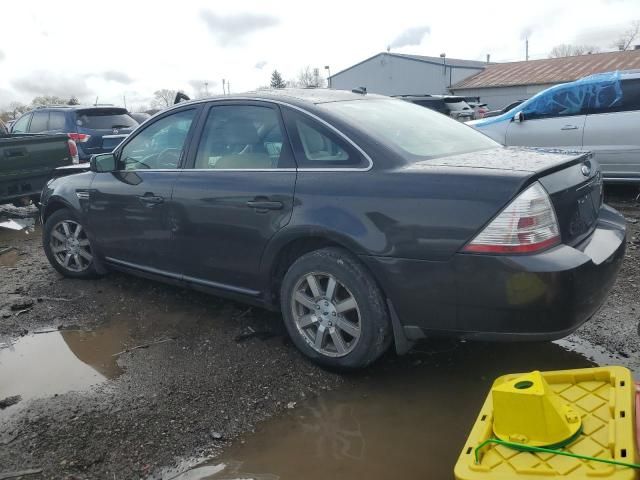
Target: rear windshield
{"type": "Point", "coordinates": [418, 131]}
{"type": "Point", "coordinates": [104, 119]}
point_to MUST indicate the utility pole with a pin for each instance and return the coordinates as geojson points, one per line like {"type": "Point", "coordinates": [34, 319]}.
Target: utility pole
{"type": "Point", "coordinates": [526, 48]}
{"type": "Point", "coordinates": [206, 88]}
{"type": "Point", "coordinates": [224, 92]}
{"type": "Point", "coordinates": [124, 100]}
{"type": "Point", "coordinates": [326, 67]}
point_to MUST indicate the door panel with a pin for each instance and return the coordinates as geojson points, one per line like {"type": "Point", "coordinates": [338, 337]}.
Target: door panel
{"type": "Point", "coordinates": [128, 216]}
{"type": "Point", "coordinates": [220, 233]}
{"type": "Point", "coordinates": [565, 132]}
{"type": "Point", "coordinates": [237, 197]}
{"type": "Point", "coordinates": [129, 208]}
{"type": "Point", "coordinates": [614, 139]}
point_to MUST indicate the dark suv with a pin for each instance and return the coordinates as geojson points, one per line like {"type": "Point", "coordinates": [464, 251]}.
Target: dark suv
{"type": "Point", "coordinates": [95, 129]}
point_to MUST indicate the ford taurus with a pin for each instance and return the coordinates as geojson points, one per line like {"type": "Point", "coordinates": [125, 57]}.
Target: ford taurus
{"type": "Point", "coordinates": [365, 220]}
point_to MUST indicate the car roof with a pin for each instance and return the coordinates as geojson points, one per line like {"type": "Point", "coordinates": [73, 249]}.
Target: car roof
{"type": "Point", "coordinates": [77, 107]}
{"type": "Point", "coordinates": [294, 96]}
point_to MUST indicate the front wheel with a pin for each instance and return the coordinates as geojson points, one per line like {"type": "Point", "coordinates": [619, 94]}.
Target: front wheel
{"type": "Point", "coordinates": [67, 245]}
{"type": "Point", "coordinates": [334, 311]}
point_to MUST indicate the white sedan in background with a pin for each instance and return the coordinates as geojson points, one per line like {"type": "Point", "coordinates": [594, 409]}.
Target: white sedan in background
{"type": "Point", "coordinates": [599, 113]}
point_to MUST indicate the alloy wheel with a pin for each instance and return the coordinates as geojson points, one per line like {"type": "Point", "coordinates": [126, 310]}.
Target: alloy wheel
{"type": "Point", "coordinates": [326, 314]}
{"type": "Point", "coordinates": [70, 246]}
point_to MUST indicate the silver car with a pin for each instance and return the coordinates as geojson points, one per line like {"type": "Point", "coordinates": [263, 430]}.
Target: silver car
{"type": "Point", "coordinates": [599, 113]}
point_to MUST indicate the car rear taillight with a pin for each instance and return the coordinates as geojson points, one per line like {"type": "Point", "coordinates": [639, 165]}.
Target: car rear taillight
{"type": "Point", "coordinates": [528, 224]}
{"type": "Point", "coordinates": [79, 137]}
{"type": "Point", "coordinates": [73, 152]}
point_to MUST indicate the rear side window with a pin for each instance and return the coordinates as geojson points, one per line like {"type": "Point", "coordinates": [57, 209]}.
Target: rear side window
{"type": "Point", "coordinates": [630, 99]}
{"type": "Point", "coordinates": [39, 122]}
{"type": "Point", "coordinates": [316, 146]}
{"type": "Point", "coordinates": [243, 137]}
{"type": "Point", "coordinates": [56, 121]}
{"type": "Point", "coordinates": [104, 119]}
{"type": "Point", "coordinates": [21, 124]}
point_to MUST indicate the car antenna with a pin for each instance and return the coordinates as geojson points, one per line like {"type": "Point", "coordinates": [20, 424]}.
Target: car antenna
{"type": "Point", "coordinates": [360, 90]}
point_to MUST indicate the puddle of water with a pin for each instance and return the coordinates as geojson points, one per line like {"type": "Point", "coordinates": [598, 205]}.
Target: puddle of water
{"type": "Point", "coordinates": [52, 363]}
{"type": "Point", "coordinates": [9, 257]}
{"type": "Point", "coordinates": [408, 420]}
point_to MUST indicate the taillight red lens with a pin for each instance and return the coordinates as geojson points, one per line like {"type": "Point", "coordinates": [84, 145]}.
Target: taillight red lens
{"type": "Point", "coordinates": [73, 151]}
{"type": "Point", "coordinates": [528, 224]}
{"type": "Point", "coordinates": [79, 137]}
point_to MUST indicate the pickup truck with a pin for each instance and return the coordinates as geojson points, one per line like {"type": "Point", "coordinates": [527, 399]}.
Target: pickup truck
{"type": "Point", "coordinates": [28, 161]}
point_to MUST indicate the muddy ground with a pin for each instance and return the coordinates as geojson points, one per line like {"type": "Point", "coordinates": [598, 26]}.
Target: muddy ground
{"type": "Point", "coordinates": [209, 372]}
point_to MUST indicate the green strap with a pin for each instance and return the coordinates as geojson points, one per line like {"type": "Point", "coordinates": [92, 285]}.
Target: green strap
{"type": "Point", "coordinates": [528, 448]}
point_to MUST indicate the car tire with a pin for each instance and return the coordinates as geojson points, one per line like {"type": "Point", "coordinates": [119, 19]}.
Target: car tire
{"type": "Point", "coordinates": [334, 311]}
{"type": "Point", "coordinates": [68, 250]}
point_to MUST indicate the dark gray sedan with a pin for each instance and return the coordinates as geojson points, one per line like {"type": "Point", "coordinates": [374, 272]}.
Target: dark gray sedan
{"type": "Point", "coordinates": [366, 220]}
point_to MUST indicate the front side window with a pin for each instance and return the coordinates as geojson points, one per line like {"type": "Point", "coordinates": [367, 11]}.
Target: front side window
{"type": "Point", "coordinates": [245, 137]}
{"type": "Point", "coordinates": [21, 124]}
{"type": "Point", "coordinates": [419, 132]}
{"type": "Point", "coordinates": [39, 122]}
{"type": "Point", "coordinates": [160, 145]}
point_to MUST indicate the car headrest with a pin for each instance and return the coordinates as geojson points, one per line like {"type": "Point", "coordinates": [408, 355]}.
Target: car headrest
{"type": "Point", "coordinates": [239, 131]}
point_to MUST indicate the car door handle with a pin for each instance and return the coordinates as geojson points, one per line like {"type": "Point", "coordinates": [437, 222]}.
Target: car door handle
{"type": "Point", "coordinates": [15, 153]}
{"type": "Point", "coordinates": [569, 127]}
{"type": "Point", "coordinates": [264, 205]}
{"type": "Point", "coordinates": [150, 198]}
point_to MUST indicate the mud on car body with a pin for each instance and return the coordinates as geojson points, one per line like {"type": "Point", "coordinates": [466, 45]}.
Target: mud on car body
{"type": "Point", "coordinates": [366, 220]}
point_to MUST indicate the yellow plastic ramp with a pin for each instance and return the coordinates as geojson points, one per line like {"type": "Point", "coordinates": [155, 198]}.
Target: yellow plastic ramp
{"type": "Point", "coordinates": [602, 397]}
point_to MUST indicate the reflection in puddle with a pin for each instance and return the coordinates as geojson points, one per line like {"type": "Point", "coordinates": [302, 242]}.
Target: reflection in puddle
{"type": "Point", "coordinates": [406, 419]}
{"type": "Point", "coordinates": [52, 363]}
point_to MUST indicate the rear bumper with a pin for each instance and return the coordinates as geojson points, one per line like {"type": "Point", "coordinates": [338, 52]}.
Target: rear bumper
{"type": "Point", "coordinates": [528, 297]}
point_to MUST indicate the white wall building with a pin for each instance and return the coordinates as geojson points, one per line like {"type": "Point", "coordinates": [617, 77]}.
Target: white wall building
{"type": "Point", "coordinates": [399, 74]}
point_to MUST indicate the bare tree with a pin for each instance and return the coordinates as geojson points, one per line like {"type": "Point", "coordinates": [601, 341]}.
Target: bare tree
{"type": "Point", "coordinates": [625, 42]}
{"type": "Point", "coordinates": [44, 100]}
{"type": "Point", "coordinates": [308, 78]}
{"type": "Point", "coordinates": [16, 109]}
{"type": "Point", "coordinates": [566, 50]}
{"type": "Point", "coordinates": [163, 98]}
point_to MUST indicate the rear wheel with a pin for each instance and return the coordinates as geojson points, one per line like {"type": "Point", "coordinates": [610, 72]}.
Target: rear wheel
{"type": "Point", "coordinates": [67, 245]}
{"type": "Point", "coordinates": [334, 311]}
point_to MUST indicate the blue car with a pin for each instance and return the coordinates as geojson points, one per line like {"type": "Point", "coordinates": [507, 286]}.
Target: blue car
{"type": "Point", "coordinates": [95, 129]}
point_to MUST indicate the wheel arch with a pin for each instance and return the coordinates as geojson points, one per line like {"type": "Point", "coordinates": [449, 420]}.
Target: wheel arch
{"type": "Point", "coordinates": [53, 205]}
{"type": "Point", "coordinates": [286, 248]}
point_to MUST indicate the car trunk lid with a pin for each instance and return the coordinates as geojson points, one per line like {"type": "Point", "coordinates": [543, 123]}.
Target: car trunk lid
{"type": "Point", "coordinates": [572, 179]}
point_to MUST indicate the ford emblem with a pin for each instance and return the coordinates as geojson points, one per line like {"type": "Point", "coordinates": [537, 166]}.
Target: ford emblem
{"type": "Point", "coordinates": [586, 169]}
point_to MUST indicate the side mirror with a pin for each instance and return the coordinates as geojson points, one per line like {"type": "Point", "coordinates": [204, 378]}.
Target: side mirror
{"type": "Point", "coordinates": [103, 162]}
{"type": "Point", "coordinates": [519, 117]}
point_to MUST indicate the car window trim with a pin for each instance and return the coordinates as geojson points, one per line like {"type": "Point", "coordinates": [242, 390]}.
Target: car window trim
{"type": "Point", "coordinates": [305, 112]}
{"type": "Point", "coordinates": [187, 142]}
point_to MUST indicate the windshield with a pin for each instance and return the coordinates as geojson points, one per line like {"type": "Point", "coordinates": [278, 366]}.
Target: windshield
{"type": "Point", "coordinates": [417, 131]}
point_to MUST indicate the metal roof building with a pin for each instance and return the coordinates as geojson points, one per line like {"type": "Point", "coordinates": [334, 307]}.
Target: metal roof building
{"type": "Point", "coordinates": [502, 83]}
{"type": "Point", "coordinates": [400, 74]}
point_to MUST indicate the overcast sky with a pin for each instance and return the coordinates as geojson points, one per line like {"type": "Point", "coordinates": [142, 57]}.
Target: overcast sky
{"type": "Point", "coordinates": [128, 48]}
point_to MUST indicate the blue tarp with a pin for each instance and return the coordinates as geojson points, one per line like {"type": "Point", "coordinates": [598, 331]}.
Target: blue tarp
{"type": "Point", "coordinates": [600, 91]}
